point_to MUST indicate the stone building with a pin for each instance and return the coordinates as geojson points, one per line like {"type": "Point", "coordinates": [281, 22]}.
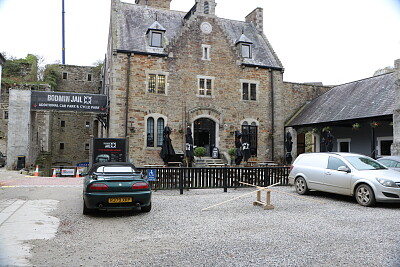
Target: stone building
{"type": "Point", "coordinates": [180, 69]}
{"type": "Point", "coordinates": [49, 137]}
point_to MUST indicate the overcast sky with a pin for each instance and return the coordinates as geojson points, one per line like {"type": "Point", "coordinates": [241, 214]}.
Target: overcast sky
{"type": "Point", "coordinates": [329, 41]}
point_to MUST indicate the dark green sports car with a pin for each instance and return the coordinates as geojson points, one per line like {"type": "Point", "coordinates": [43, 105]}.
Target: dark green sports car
{"type": "Point", "coordinates": [115, 186]}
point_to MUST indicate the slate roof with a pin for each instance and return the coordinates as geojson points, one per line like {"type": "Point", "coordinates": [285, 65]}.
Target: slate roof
{"type": "Point", "coordinates": [371, 97]}
{"type": "Point", "coordinates": [133, 21]}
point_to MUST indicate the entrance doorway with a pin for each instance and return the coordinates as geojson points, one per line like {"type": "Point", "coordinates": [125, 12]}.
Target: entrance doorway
{"type": "Point", "coordinates": [204, 134]}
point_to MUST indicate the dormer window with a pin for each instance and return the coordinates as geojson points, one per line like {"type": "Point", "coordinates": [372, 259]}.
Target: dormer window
{"type": "Point", "coordinates": [246, 50]}
{"type": "Point", "coordinates": [156, 35]}
{"type": "Point", "coordinates": [245, 45]}
{"type": "Point", "coordinates": [156, 39]}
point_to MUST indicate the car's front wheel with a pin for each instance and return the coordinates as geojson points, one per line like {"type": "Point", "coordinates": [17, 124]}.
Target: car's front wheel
{"type": "Point", "coordinates": [365, 195]}
{"type": "Point", "coordinates": [301, 186]}
{"type": "Point", "coordinates": [146, 208]}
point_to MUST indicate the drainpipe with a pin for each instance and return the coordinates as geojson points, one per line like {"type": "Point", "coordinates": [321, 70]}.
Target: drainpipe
{"type": "Point", "coordinates": [272, 113]}
{"type": "Point", "coordinates": [127, 93]}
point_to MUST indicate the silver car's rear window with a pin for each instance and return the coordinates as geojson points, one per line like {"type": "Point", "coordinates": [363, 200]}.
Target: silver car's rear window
{"type": "Point", "coordinates": [364, 163]}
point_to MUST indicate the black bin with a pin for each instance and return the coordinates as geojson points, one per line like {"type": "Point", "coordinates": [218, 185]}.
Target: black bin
{"type": "Point", "coordinates": [20, 162]}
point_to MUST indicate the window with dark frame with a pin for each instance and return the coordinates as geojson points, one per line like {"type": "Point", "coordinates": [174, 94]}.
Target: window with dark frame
{"type": "Point", "coordinates": [62, 145]}
{"type": "Point", "coordinates": [62, 123]}
{"type": "Point", "coordinates": [89, 77]}
{"type": "Point", "coordinates": [156, 39]}
{"type": "Point", "coordinates": [156, 83]}
{"type": "Point", "coordinates": [87, 146]}
{"type": "Point", "coordinates": [5, 115]}
{"type": "Point", "coordinates": [252, 131]}
{"type": "Point", "coordinates": [150, 132]}
{"type": "Point", "coordinates": [160, 132]}
{"type": "Point", "coordinates": [87, 124]}
{"type": "Point", "coordinates": [65, 75]}
{"type": "Point", "coordinates": [249, 91]}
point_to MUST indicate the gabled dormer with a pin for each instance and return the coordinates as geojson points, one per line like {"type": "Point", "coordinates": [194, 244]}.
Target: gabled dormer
{"type": "Point", "coordinates": [155, 35]}
{"type": "Point", "coordinates": [244, 45]}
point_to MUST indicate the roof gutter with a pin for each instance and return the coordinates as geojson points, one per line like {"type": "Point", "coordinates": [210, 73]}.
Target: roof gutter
{"type": "Point", "coordinates": [262, 67]}
{"type": "Point", "coordinates": [132, 52]}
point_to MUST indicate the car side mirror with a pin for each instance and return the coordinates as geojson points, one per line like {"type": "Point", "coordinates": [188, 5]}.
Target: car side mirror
{"type": "Point", "coordinates": [343, 169]}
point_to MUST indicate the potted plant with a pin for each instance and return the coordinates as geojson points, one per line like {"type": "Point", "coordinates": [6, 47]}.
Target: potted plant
{"type": "Point", "coordinates": [356, 126]}
{"type": "Point", "coordinates": [199, 151]}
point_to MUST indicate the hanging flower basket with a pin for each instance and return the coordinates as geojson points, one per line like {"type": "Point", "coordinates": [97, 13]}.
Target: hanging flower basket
{"type": "Point", "coordinates": [375, 124]}
{"type": "Point", "coordinates": [356, 126]}
{"type": "Point", "coordinates": [326, 129]}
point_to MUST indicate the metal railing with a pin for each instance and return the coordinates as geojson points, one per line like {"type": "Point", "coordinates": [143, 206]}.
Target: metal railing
{"type": "Point", "coordinates": [223, 177]}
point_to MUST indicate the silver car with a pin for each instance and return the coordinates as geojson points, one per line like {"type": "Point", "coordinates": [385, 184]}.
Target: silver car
{"type": "Point", "coordinates": [346, 174]}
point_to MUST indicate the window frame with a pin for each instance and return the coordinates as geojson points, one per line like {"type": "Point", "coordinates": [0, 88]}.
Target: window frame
{"type": "Point", "coordinates": [253, 127]}
{"type": "Point", "coordinates": [343, 140]}
{"type": "Point", "coordinates": [208, 80]}
{"type": "Point", "coordinates": [151, 39]}
{"type": "Point", "coordinates": [157, 141]}
{"type": "Point", "coordinates": [206, 52]}
{"type": "Point", "coordinates": [248, 47]}
{"type": "Point", "coordinates": [249, 90]}
{"type": "Point", "coordinates": [157, 74]}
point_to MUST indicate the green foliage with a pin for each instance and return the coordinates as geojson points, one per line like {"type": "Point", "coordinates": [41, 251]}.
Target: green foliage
{"type": "Point", "coordinates": [98, 65]}
{"type": "Point", "coordinates": [52, 75]}
{"type": "Point", "coordinates": [21, 70]}
{"type": "Point", "coordinates": [232, 152]}
{"type": "Point", "coordinates": [199, 151]}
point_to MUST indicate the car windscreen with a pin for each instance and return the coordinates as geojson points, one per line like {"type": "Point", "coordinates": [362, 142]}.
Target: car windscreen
{"type": "Point", "coordinates": [364, 163]}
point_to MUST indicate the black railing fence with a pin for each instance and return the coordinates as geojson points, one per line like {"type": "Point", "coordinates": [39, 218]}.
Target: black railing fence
{"type": "Point", "coordinates": [223, 177]}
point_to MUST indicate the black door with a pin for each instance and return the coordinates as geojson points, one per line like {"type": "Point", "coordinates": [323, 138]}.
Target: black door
{"type": "Point", "coordinates": [204, 134]}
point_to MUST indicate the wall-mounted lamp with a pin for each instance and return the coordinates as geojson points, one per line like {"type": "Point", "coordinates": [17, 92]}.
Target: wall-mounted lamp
{"type": "Point", "coordinates": [132, 128]}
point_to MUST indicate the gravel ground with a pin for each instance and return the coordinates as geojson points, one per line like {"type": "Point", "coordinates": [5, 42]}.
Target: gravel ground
{"type": "Point", "coordinates": [298, 232]}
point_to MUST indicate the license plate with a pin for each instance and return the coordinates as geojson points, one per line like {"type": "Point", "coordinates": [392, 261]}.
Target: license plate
{"type": "Point", "coordinates": [119, 199]}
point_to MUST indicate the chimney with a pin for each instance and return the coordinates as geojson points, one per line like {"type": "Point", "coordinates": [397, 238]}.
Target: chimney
{"type": "Point", "coordinates": [257, 18]}
{"type": "Point", "coordinates": [155, 3]}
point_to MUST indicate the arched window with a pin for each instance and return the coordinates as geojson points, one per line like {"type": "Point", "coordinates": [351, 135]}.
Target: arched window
{"type": "Point", "coordinates": [160, 131]}
{"type": "Point", "coordinates": [150, 132]}
{"type": "Point", "coordinates": [206, 7]}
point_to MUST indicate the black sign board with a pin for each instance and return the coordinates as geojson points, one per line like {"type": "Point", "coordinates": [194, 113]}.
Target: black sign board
{"type": "Point", "coordinates": [68, 101]}
{"type": "Point", "coordinates": [109, 150]}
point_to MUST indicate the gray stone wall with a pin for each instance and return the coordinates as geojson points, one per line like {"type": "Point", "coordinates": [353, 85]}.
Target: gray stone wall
{"type": "Point", "coordinates": [396, 113]}
{"type": "Point", "coordinates": [70, 131]}
{"type": "Point", "coordinates": [19, 130]}
{"type": "Point", "coordinates": [297, 95]}
{"type": "Point", "coordinates": [155, 3]}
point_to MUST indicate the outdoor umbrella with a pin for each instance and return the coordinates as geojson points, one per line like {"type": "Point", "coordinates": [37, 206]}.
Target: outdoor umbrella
{"type": "Point", "coordinates": [167, 150]}
{"type": "Point", "coordinates": [289, 146]}
{"type": "Point", "coordinates": [238, 146]}
{"type": "Point", "coordinates": [189, 146]}
{"type": "Point", "coordinates": [246, 145]}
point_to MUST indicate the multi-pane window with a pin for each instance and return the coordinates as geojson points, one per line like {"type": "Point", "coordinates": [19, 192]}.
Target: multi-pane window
{"type": "Point", "coordinates": [156, 83]}
{"type": "Point", "coordinates": [246, 50]}
{"type": "Point", "coordinates": [155, 136]}
{"type": "Point", "coordinates": [205, 87]}
{"type": "Point", "coordinates": [249, 91]}
{"type": "Point", "coordinates": [250, 136]}
{"type": "Point", "coordinates": [150, 132]}
{"type": "Point", "coordinates": [156, 39]}
{"type": "Point", "coordinates": [160, 131]}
